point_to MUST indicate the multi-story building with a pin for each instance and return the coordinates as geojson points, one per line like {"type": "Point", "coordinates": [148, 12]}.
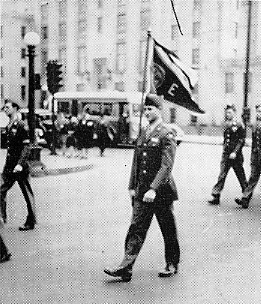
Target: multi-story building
{"type": "Point", "coordinates": [102, 43]}
{"type": "Point", "coordinates": [17, 18]}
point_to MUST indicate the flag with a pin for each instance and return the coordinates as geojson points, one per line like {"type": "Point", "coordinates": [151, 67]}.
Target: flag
{"type": "Point", "coordinates": [171, 78]}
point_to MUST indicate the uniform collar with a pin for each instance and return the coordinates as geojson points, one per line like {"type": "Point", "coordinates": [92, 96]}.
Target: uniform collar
{"type": "Point", "coordinates": [154, 125]}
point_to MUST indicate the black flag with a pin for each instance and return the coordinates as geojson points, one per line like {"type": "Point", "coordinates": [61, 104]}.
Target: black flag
{"type": "Point", "coordinates": [172, 79]}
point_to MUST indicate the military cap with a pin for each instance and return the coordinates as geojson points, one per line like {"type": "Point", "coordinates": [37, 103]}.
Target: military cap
{"type": "Point", "coordinates": [231, 106]}
{"type": "Point", "coordinates": [154, 100]}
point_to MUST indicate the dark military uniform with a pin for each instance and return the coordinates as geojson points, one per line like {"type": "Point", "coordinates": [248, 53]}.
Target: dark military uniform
{"type": "Point", "coordinates": [255, 162]}
{"type": "Point", "coordinates": [18, 153]}
{"type": "Point", "coordinates": [151, 169]}
{"type": "Point", "coordinates": [234, 140]}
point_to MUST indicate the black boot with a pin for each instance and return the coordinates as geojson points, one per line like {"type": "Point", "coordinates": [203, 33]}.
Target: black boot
{"type": "Point", "coordinates": [124, 272]}
{"type": "Point", "coordinates": [215, 200]}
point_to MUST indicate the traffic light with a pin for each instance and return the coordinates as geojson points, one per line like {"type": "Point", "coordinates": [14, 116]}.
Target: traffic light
{"type": "Point", "coordinates": [246, 115]}
{"type": "Point", "coordinates": [54, 77]}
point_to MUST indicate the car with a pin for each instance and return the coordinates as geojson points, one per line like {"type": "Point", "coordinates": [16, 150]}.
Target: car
{"type": "Point", "coordinates": [178, 131]}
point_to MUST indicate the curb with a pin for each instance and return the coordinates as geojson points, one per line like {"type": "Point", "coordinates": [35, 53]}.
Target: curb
{"type": "Point", "coordinates": [41, 171]}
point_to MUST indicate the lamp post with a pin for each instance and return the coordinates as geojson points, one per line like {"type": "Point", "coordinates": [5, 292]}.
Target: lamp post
{"type": "Point", "coordinates": [246, 109]}
{"type": "Point", "coordinates": [32, 39]}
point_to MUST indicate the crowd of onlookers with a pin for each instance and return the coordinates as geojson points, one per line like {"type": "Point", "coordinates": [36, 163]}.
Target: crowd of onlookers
{"type": "Point", "coordinates": [75, 135]}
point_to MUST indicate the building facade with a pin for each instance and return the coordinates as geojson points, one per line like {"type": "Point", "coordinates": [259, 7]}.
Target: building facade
{"type": "Point", "coordinates": [17, 18]}
{"type": "Point", "coordinates": [101, 44]}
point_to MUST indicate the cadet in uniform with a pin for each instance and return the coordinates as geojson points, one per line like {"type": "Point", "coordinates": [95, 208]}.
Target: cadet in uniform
{"type": "Point", "coordinates": [255, 161]}
{"type": "Point", "coordinates": [16, 166]}
{"type": "Point", "coordinates": [234, 140]}
{"type": "Point", "coordinates": [153, 190]}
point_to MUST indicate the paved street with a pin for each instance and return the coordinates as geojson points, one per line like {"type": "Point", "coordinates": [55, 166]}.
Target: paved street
{"type": "Point", "coordinates": [82, 221]}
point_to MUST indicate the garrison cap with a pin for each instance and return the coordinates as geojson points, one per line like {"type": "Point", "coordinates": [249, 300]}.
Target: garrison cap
{"type": "Point", "coordinates": [154, 100]}
{"type": "Point", "coordinates": [231, 106]}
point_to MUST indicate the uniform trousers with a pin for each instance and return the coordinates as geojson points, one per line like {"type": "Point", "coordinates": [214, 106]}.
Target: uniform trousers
{"type": "Point", "coordinates": [140, 223]}
{"type": "Point", "coordinates": [8, 180]}
{"type": "Point", "coordinates": [225, 165]}
{"type": "Point", "coordinates": [254, 176]}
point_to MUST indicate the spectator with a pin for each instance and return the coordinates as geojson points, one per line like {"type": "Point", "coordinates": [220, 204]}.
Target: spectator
{"type": "Point", "coordinates": [62, 129]}
{"type": "Point", "coordinates": [71, 140]}
{"type": "Point", "coordinates": [84, 133]}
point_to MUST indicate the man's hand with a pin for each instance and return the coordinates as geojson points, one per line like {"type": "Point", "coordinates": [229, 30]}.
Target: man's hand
{"type": "Point", "coordinates": [132, 193]}
{"type": "Point", "coordinates": [18, 168]}
{"type": "Point", "coordinates": [232, 155]}
{"type": "Point", "coordinates": [149, 196]}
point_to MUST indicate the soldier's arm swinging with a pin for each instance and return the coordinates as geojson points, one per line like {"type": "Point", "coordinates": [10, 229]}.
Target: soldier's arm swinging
{"type": "Point", "coordinates": [168, 155]}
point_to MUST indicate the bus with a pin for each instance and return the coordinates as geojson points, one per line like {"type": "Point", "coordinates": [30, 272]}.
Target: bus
{"type": "Point", "coordinates": [121, 110]}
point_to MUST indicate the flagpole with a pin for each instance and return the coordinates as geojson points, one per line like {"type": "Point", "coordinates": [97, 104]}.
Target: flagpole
{"type": "Point", "coordinates": [144, 78]}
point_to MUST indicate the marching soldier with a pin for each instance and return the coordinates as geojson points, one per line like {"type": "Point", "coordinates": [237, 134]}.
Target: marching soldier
{"type": "Point", "coordinates": [255, 161]}
{"type": "Point", "coordinates": [234, 140]}
{"type": "Point", "coordinates": [153, 190]}
{"type": "Point", "coordinates": [16, 166]}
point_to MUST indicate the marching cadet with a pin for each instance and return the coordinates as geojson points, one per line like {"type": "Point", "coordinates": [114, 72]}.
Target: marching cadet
{"type": "Point", "coordinates": [234, 140]}
{"type": "Point", "coordinates": [16, 166]}
{"type": "Point", "coordinates": [255, 161]}
{"type": "Point", "coordinates": [152, 190]}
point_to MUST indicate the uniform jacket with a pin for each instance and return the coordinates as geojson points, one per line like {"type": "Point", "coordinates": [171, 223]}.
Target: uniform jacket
{"type": "Point", "coordinates": [234, 138]}
{"type": "Point", "coordinates": [153, 163]}
{"type": "Point", "coordinates": [18, 151]}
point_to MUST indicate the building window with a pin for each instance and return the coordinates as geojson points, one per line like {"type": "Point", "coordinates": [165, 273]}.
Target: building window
{"type": "Point", "coordinates": [23, 72]}
{"type": "Point", "coordinates": [82, 28]}
{"type": "Point", "coordinates": [1, 53]}
{"type": "Point", "coordinates": [119, 86]}
{"type": "Point", "coordinates": [43, 60]}
{"type": "Point", "coordinates": [145, 19]}
{"type": "Point", "coordinates": [195, 56]}
{"type": "Point", "coordinates": [2, 31]}
{"type": "Point", "coordinates": [121, 22]}
{"type": "Point", "coordinates": [44, 32]}
{"type": "Point", "coordinates": [23, 53]}
{"type": "Point", "coordinates": [44, 11]}
{"type": "Point", "coordinates": [2, 72]}
{"type": "Point", "coordinates": [121, 57]}
{"type": "Point", "coordinates": [100, 3]}
{"type": "Point", "coordinates": [196, 29]}
{"type": "Point", "coordinates": [174, 31]}
{"type": "Point", "coordinates": [229, 82]}
{"type": "Point", "coordinates": [62, 58]}
{"type": "Point", "coordinates": [197, 5]}
{"type": "Point", "coordinates": [81, 60]}
{"type": "Point", "coordinates": [23, 31]}
{"type": "Point", "coordinates": [82, 6]}
{"type": "Point", "coordinates": [121, 2]}
{"type": "Point", "coordinates": [99, 24]}
{"type": "Point", "coordinates": [62, 8]}
{"type": "Point", "coordinates": [235, 29]}
{"type": "Point", "coordinates": [62, 31]}
{"type": "Point", "coordinates": [23, 92]}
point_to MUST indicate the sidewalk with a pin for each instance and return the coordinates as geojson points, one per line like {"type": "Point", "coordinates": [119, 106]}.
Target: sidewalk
{"type": "Point", "coordinates": [58, 164]}
{"type": "Point", "coordinates": [54, 164]}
